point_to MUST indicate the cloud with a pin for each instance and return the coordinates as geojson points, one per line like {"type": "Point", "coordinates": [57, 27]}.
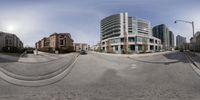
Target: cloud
{"type": "Point", "coordinates": [40, 20]}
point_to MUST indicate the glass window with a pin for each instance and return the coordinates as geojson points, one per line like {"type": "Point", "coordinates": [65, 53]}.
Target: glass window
{"type": "Point", "coordinates": [131, 39]}
{"type": "Point", "coordinates": [116, 48]}
{"type": "Point", "coordinates": [140, 47]}
{"type": "Point", "coordinates": [61, 42]}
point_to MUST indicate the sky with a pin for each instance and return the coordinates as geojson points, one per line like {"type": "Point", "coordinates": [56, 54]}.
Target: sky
{"type": "Point", "coordinates": [31, 20]}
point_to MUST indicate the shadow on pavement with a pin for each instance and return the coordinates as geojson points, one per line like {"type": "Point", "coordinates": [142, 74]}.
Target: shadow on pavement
{"type": "Point", "coordinates": [155, 62]}
{"type": "Point", "coordinates": [176, 57]}
{"type": "Point", "coordinates": [8, 58]}
{"type": "Point", "coordinates": [195, 58]}
{"type": "Point", "coordinates": [179, 56]}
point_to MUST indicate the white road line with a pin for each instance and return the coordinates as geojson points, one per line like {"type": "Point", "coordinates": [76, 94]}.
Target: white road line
{"type": "Point", "coordinates": [133, 66]}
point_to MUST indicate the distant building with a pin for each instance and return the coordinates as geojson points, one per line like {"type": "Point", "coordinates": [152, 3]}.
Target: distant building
{"type": "Point", "coordinates": [81, 46]}
{"type": "Point", "coordinates": [10, 42]}
{"type": "Point", "coordinates": [171, 39]}
{"type": "Point", "coordinates": [195, 41]}
{"type": "Point", "coordinates": [121, 33]}
{"type": "Point", "coordinates": [167, 37]}
{"type": "Point", "coordinates": [186, 46]}
{"type": "Point", "coordinates": [96, 47]}
{"type": "Point", "coordinates": [56, 41]}
{"type": "Point", "coordinates": [180, 40]}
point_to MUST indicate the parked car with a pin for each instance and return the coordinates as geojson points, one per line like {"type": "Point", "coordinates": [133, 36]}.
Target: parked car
{"type": "Point", "coordinates": [30, 50]}
{"type": "Point", "coordinates": [83, 52]}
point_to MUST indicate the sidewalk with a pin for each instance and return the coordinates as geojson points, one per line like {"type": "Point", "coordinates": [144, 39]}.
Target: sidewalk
{"type": "Point", "coordinates": [135, 55]}
{"type": "Point", "coordinates": [198, 54]}
{"type": "Point", "coordinates": [197, 59]}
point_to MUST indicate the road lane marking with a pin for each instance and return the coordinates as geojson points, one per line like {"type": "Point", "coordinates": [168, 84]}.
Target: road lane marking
{"type": "Point", "coordinates": [133, 66]}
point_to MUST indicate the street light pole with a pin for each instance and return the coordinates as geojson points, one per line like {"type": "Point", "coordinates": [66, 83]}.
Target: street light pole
{"type": "Point", "coordinates": [192, 23]}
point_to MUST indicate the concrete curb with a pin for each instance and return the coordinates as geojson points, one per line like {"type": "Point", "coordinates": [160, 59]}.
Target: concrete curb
{"type": "Point", "coordinates": [195, 65]}
{"type": "Point", "coordinates": [35, 83]}
{"type": "Point", "coordinates": [135, 55]}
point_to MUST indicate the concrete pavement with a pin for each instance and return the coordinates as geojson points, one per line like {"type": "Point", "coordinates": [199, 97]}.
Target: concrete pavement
{"type": "Point", "coordinates": [195, 61]}
{"type": "Point", "coordinates": [38, 73]}
{"type": "Point", "coordinates": [100, 77]}
{"type": "Point", "coordinates": [31, 58]}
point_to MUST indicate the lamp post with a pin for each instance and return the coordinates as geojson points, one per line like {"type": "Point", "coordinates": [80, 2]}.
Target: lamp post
{"type": "Point", "coordinates": [192, 23]}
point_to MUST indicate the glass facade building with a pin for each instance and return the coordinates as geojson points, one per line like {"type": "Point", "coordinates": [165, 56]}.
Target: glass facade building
{"type": "Point", "coordinates": [119, 31]}
{"type": "Point", "coordinates": [165, 35]}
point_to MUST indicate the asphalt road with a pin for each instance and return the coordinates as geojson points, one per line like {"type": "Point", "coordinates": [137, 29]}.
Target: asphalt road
{"type": "Point", "coordinates": [101, 77]}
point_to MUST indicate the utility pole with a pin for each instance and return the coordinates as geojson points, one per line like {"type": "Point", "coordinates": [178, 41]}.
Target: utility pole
{"type": "Point", "coordinates": [192, 23]}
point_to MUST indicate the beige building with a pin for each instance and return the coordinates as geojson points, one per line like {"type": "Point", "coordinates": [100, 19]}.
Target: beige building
{"type": "Point", "coordinates": [56, 41]}
{"type": "Point", "coordinates": [81, 46]}
{"type": "Point", "coordinates": [10, 42]}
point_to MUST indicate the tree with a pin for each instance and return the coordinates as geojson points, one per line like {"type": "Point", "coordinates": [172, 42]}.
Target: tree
{"type": "Point", "coordinates": [145, 45]}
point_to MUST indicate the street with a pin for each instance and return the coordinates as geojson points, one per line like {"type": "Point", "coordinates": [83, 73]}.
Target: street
{"type": "Point", "coordinates": [103, 77]}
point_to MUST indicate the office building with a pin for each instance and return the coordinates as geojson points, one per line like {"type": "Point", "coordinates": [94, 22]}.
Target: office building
{"type": "Point", "coordinates": [165, 35]}
{"type": "Point", "coordinates": [10, 42]}
{"type": "Point", "coordinates": [180, 40]}
{"type": "Point", "coordinates": [171, 40]}
{"type": "Point", "coordinates": [121, 33]}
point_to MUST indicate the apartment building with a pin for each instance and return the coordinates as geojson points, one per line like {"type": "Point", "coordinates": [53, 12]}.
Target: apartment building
{"type": "Point", "coordinates": [180, 41]}
{"type": "Point", "coordinates": [61, 42]}
{"type": "Point", "coordinates": [10, 42]}
{"type": "Point", "coordinates": [165, 35]}
{"type": "Point", "coordinates": [121, 33]}
{"type": "Point", "coordinates": [81, 46]}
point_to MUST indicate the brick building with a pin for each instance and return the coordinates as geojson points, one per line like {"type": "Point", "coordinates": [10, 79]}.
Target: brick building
{"type": "Point", "coordinates": [56, 41]}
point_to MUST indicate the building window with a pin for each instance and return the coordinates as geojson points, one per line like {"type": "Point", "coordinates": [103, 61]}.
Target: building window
{"type": "Point", "coordinates": [151, 47]}
{"type": "Point", "coordinates": [141, 39]}
{"type": "Point", "coordinates": [140, 47]}
{"type": "Point", "coordinates": [156, 48]}
{"type": "Point", "coordinates": [61, 42]}
{"type": "Point", "coordinates": [6, 42]}
{"type": "Point", "coordinates": [131, 39]}
{"type": "Point", "coordinates": [151, 41]}
{"type": "Point", "coordinates": [116, 48]}
{"type": "Point", "coordinates": [132, 47]}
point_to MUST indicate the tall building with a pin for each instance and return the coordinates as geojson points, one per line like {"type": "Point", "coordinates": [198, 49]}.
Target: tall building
{"type": "Point", "coordinates": [171, 39]}
{"type": "Point", "coordinates": [10, 42]}
{"type": "Point", "coordinates": [56, 41]}
{"type": "Point", "coordinates": [121, 33]}
{"type": "Point", "coordinates": [167, 37]}
{"type": "Point", "coordinates": [180, 40]}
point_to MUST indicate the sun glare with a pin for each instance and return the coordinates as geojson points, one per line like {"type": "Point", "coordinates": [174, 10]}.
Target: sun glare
{"type": "Point", "coordinates": [10, 28]}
